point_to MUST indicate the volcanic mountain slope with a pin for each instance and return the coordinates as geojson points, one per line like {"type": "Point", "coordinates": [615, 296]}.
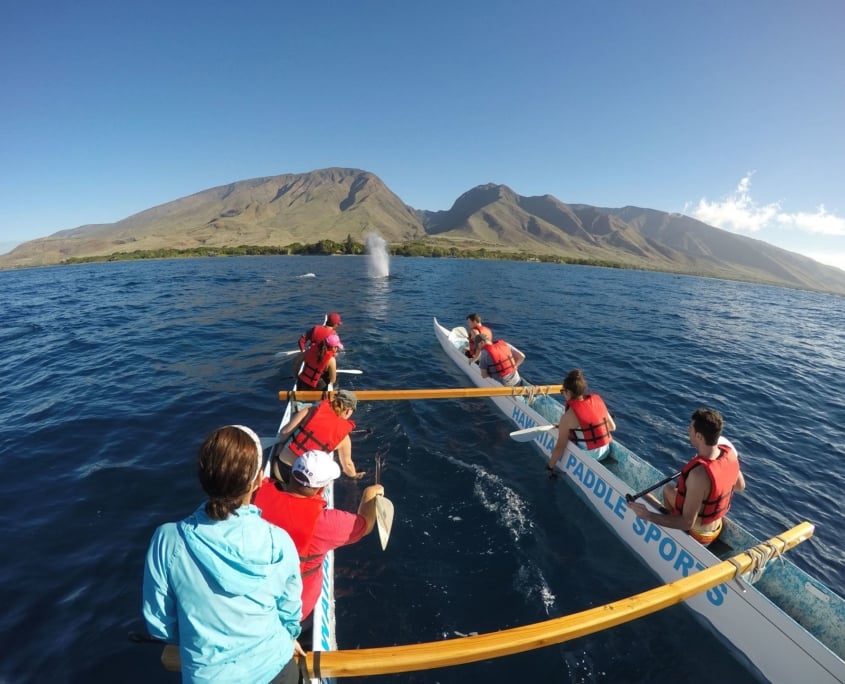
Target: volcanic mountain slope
{"type": "Point", "coordinates": [279, 210]}
{"type": "Point", "coordinates": [331, 204]}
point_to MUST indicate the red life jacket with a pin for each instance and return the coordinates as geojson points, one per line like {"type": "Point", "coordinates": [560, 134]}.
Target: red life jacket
{"type": "Point", "coordinates": [314, 335]}
{"type": "Point", "coordinates": [297, 515]}
{"type": "Point", "coordinates": [723, 472]}
{"type": "Point", "coordinates": [321, 429]}
{"type": "Point", "coordinates": [501, 358]}
{"type": "Point", "coordinates": [312, 367]}
{"type": "Point", "coordinates": [592, 417]}
{"type": "Point", "coordinates": [477, 329]}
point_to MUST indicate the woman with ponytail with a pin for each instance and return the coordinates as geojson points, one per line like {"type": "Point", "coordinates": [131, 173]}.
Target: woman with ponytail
{"type": "Point", "coordinates": [223, 583]}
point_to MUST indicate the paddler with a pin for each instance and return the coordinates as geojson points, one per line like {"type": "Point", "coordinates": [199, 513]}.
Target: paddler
{"type": "Point", "coordinates": [325, 426]}
{"type": "Point", "coordinates": [475, 328]}
{"type": "Point", "coordinates": [300, 509]}
{"type": "Point", "coordinates": [498, 360]}
{"type": "Point", "coordinates": [318, 368]}
{"type": "Point", "coordinates": [585, 421]}
{"type": "Point", "coordinates": [705, 486]}
{"type": "Point", "coordinates": [320, 332]}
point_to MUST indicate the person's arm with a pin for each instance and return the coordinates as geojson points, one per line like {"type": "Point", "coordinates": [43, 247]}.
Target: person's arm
{"type": "Point", "coordinates": [563, 427]}
{"type": "Point", "coordinates": [518, 356]}
{"type": "Point", "coordinates": [740, 482]}
{"type": "Point", "coordinates": [331, 370]}
{"type": "Point", "coordinates": [483, 363]}
{"type": "Point", "coordinates": [698, 488]}
{"type": "Point", "coordinates": [367, 507]}
{"type": "Point", "coordinates": [290, 426]}
{"type": "Point", "coordinates": [344, 455]}
{"type": "Point", "coordinates": [159, 604]}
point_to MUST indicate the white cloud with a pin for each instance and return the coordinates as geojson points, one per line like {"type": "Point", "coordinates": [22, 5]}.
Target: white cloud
{"type": "Point", "coordinates": [739, 213]}
{"type": "Point", "coordinates": [820, 223]}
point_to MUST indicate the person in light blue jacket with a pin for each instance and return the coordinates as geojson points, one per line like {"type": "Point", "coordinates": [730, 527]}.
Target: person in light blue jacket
{"type": "Point", "coordinates": [223, 583]}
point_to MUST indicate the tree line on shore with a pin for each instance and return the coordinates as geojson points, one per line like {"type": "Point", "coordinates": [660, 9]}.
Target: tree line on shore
{"type": "Point", "coordinates": [347, 247]}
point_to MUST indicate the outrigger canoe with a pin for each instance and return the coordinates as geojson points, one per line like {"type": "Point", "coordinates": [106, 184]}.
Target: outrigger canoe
{"type": "Point", "coordinates": [324, 636]}
{"type": "Point", "coordinates": [789, 625]}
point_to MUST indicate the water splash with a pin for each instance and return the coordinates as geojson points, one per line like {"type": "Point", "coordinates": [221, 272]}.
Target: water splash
{"type": "Point", "coordinates": [378, 264]}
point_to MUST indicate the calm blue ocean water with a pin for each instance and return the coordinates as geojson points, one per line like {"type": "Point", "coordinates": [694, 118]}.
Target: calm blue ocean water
{"type": "Point", "coordinates": [112, 374]}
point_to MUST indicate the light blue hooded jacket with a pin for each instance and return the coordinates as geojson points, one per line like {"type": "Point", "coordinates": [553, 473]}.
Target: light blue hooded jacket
{"type": "Point", "coordinates": [228, 592]}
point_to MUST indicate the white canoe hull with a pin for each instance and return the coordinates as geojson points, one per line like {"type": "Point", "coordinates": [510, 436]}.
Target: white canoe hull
{"type": "Point", "coordinates": [324, 635]}
{"type": "Point", "coordinates": [774, 643]}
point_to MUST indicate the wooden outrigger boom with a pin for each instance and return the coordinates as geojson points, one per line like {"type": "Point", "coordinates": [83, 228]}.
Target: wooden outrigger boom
{"type": "Point", "coordinates": [439, 393]}
{"type": "Point", "coordinates": [395, 659]}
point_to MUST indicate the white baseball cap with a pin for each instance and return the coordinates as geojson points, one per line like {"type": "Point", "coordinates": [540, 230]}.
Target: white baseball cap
{"type": "Point", "coordinates": [315, 469]}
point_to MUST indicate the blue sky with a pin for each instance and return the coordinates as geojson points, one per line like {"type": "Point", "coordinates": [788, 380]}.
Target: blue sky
{"type": "Point", "coordinates": [732, 112]}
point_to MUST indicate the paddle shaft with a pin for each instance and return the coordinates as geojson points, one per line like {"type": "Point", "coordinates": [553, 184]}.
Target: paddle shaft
{"type": "Point", "coordinates": [665, 480]}
{"type": "Point", "coordinates": [441, 393]}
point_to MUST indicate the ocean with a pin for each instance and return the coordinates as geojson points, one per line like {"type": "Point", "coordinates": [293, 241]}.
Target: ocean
{"type": "Point", "coordinates": [113, 374]}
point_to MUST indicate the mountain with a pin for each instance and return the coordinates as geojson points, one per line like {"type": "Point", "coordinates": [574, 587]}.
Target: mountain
{"type": "Point", "coordinates": [335, 203]}
{"type": "Point", "coordinates": [278, 210]}
{"type": "Point", "coordinates": [495, 217]}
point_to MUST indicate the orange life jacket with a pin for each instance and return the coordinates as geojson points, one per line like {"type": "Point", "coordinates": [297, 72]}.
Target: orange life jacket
{"type": "Point", "coordinates": [314, 335]}
{"type": "Point", "coordinates": [321, 429]}
{"type": "Point", "coordinates": [723, 472]}
{"type": "Point", "coordinates": [592, 417]}
{"type": "Point", "coordinates": [501, 358]}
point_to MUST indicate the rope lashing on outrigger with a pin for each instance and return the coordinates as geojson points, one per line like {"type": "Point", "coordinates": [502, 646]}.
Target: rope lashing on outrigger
{"type": "Point", "coordinates": [760, 557]}
{"type": "Point", "coordinates": [532, 392]}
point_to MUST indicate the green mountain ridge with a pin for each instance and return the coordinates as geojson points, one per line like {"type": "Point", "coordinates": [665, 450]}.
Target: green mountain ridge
{"type": "Point", "coordinates": [336, 203]}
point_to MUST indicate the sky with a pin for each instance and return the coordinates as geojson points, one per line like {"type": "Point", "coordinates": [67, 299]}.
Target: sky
{"type": "Point", "coordinates": [730, 111]}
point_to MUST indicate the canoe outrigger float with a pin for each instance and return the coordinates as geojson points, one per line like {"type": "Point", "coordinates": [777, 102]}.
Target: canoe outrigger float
{"type": "Point", "coordinates": [788, 624]}
{"type": "Point", "coordinates": [324, 666]}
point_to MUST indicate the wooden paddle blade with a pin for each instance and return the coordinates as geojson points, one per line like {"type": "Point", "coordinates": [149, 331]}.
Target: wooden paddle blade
{"type": "Point", "coordinates": [529, 434]}
{"type": "Point", "coordinates": [384, 519]}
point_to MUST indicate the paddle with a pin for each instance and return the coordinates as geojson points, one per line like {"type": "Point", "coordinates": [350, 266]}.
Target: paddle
{"type": "Point", "coordinates": [442, 393]}
{"type": "Point", "coordinates": [528, 434]}
{"type": "Point", "coordinates": [349, 371]}
{"type": "Point", "coordinates": [384, 511]}
{"type": "Point", "coordinates": [666, 480]}
{"type": "Point", "coordinates": [285, 354]}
